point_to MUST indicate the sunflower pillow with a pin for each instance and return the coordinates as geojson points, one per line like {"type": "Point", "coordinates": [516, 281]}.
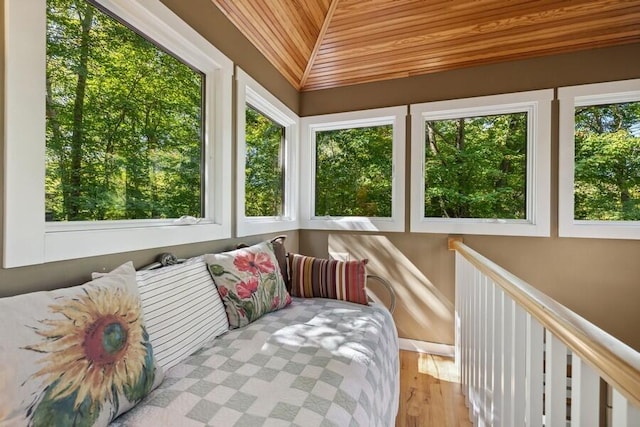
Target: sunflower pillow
{"type": "Point", "coordinates": [76, 356]}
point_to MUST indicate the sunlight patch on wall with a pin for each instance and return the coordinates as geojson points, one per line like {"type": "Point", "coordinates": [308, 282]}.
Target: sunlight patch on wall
{"type": "Point", "coordinates": [423, 312]}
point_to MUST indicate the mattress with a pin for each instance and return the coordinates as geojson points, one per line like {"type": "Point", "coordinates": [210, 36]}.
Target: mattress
{"type": "Point", "coordinates": [317, 362]}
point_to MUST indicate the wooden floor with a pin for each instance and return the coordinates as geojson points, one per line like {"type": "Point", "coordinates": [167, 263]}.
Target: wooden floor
{"type": "Point", "coordinates": [430, 393]}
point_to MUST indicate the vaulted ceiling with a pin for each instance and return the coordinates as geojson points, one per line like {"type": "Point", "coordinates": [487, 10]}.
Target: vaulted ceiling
{"type": "Point", "coordinates": [318, 44]}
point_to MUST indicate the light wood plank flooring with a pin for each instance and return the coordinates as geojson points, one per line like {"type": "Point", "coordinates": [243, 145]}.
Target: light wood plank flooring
{"type": "Point", "coordinates": [430, 393]}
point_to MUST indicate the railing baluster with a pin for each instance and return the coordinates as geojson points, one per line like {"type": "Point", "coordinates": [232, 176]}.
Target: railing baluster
{"type": "Point", "coordinates": [475, 347]}
{"type": "Point", "coordinates": [508, 340]}
{"type": "Point", "coordinates": [534, 374]}
{"type": "Point", "coordinates": [555, 404]}
{"type": "Point", "coordinates": [468, 342]}
{"type": "Point", "coordinates": [624, 414]}
{"type": "Point", "coordinates": [488, 348]}
{"type": "Point", "coordinates": [481, 341]}
{"type": "Point", "coordinates": [459, 315]}
{"type": "Point", "coordinates": [585, 394]}
{"type": "Point", "coordinates": [462, 288]}
{"type": "Point", "coordinates": [519, 382]}
{"type": "Point", "coordinates": [497, 353]}
{"type": "Point", "coordinates": [482, 357]}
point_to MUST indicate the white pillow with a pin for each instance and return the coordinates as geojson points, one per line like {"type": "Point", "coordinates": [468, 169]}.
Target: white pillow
{"type": "Point", "coordinates": [182, 310]}
{"type": "Point", "coordinates": [76, 355]}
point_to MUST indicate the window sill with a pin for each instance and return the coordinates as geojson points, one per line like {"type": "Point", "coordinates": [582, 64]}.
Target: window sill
{"type": "Point", "coordinates": [490, 227]}
{"type": "Point", "coordinates": [353, 224]}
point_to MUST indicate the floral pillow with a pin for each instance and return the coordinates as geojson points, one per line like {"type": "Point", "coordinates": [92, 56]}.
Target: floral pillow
{"type": "Point", "coordinates": [249, 282]}
{"type": "Point", "coordinates": [76, 356]}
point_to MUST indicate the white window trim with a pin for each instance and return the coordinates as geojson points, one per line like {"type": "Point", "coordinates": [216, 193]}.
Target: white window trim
{"type": "Point", "coordinates": [250, 91]}
{"type": "Point", "coordinates": [538, 106]}
{"type": "Point", "coordinates": [28, 239]}
{"type": "Point", "coordinates": [576, 96]}
{"type": "Point", "coordinates": [395, 116]}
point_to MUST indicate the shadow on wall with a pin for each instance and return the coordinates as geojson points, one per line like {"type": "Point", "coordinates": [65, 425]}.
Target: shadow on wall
{"type": "Point", "coordinates": [423, 312]}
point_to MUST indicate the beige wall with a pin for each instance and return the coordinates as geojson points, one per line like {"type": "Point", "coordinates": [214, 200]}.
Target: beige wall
{"type": "Point", "coordinates": [54, 275]}
{"type": "Point", "coordinates": [597, 278]}
{"type": "Point", "coordinates": [419, 268]}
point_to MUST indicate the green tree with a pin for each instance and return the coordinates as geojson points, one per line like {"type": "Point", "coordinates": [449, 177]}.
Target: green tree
{"type": "Point", "coordinates": [354, 172]}
{"type": "Point", "coordinates": [476, 167]}
{"type": "Point", "coordinates": [607, 162]}
{"type": "Point", "coordinates": [124, 122]}
{"type": "Point", "coordinates": [264, 174]}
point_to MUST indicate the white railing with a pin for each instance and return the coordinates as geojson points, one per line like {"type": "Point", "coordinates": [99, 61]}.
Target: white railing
{"type": "Point", "coordinates": [512, 347]}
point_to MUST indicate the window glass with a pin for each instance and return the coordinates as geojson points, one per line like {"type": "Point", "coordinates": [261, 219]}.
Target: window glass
{"type": "Point", "coordinates": [124, 122]}
{"type": "Point", "coordinates": [266, 159]}
{"type": "Point", "coordinates": [476, 167]}
{"type": "Point", "coordinates": [607, 162]}
{"type": "Point", "coordinates": [482, 165]}
{"type": "Point", "coordinates": [264, 172]}
{"type": "Point", "coordinates": [354, 172]}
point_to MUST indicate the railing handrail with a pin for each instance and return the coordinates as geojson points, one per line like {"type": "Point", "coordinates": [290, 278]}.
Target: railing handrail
{"type": "Point", "coordinates": [617, 363]}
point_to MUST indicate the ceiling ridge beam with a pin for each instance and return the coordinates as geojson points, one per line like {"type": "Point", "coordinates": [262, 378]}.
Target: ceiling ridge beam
{"type": "Point", "coordinates": [316, 48]}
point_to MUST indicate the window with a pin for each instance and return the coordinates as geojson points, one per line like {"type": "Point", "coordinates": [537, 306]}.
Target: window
{"type": "Point", "coordinates": [124, 122]}
{"type": "Point", "coordinates": [354, 170]}
{"type": "Point", "coordinates": [128, 147]}
{"type": "Point", "coordinates": [481, 165]}
{"type": "Point", "coordinates": [600, 160]}
{"type": "Point", "coordinates": [267, 151]}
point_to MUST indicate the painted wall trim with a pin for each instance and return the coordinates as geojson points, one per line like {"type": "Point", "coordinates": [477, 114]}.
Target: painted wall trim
{"type": "Point", "coordinates": [427, 347]}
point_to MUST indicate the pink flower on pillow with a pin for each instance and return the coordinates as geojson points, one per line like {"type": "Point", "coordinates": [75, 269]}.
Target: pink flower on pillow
{"type": "Point", "coordinates": [275, 304]}
{"type": "Point", "coordinates": [248, 288]}
{"type": "Point", "coordinates": [254, 263]}
{"type": "Point", "coordinates": [223, 291]}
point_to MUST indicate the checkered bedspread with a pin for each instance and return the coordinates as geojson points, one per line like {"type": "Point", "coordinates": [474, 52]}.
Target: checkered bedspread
{"type": "Point", "coordinates": [317, 362]}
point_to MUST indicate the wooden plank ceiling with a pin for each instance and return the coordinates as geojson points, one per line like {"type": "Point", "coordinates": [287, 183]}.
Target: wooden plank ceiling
{"type": "Point", "coordinates": [319, 44]}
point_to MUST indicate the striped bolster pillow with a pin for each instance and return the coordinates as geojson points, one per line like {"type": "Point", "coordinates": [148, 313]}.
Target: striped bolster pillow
{"type": "Point", "coordinates": [324, 278]}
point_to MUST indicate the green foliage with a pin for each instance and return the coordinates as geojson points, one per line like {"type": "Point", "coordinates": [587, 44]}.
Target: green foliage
{"type": "Point", "coordinates": [354, 172]}
{"type": "Point", "coordinates": [607, 162]}
{"type": "Point", "coordinates": [476, 167]}
{"type": "Point", "coordinates": [264, 175]}
{"type": "Point", "coordinates": [124, 141]}
{"type": "Point", "coordinates": [124, 122]}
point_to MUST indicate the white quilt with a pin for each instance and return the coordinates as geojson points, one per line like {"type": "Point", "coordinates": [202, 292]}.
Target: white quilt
{"type": "Point", "coordinates": [317, 362]}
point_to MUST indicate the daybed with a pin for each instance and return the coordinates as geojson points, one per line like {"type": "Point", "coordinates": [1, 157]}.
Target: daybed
{"type": "Point", "coordinates": [304, 361]}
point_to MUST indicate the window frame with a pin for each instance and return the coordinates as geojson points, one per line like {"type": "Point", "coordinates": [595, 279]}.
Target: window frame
{"type": "Point", "coordinates": [28, 238]}
{"type": "Point", "coordinates": [249, 91]}
{"type": "Point", "coordinates": [396, 116]}
{"type": "Point", "coordinates": [569, 98]}
{"type": "Point", "coordinates": [537, 105]}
